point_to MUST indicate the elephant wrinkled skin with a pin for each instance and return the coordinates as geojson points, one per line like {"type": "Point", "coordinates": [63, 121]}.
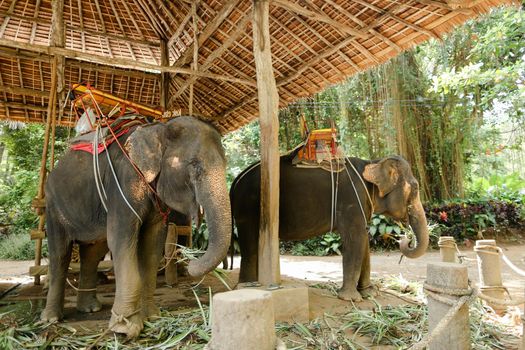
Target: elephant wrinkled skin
{"type": "Point", "coordinates": [306, 207]}
{"type": "Point", "coordinates": [184, 161]}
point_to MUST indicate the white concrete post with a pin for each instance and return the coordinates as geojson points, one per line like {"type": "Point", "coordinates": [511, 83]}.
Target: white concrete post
{"type": "Point", "coordinates": [243, 319]}
{"type": "Point", "coordinates": [489, 267]}
{"type": "Point", "coordinates": [445, 284]}
{"type": "Point", "coordinates": [447, 249]}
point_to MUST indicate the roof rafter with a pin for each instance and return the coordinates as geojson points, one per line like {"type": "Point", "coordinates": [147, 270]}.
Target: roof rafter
{"type": "Point", "coordinates": [210, 28]}
{"type": "Point", "coordinates": [122, 62]}
{"type": "Point", "coordinates": [320, 17]}
{"type": "Point", "coordinates": [241, 26]}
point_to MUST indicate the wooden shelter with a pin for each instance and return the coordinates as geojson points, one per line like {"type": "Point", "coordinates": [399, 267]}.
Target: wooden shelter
{"type": "Point", "coordinates": [228, 61]}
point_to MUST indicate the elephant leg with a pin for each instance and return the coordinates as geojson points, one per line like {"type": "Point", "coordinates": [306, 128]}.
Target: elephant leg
{"type": "Point", "coordinates": [249, 245]}
{"type": "Point", "coordinates": [90, 256]}
{"type": "Point", "coordinates": [364, 286]}
{"type": "Point", "coordinates": [126, 314]}
{"type": "Point", "coordinates": [151, 246]}
{"type": "Point", "coordinates": [59, 257]}
{"type": "Point", "coordinates": [354, 248]}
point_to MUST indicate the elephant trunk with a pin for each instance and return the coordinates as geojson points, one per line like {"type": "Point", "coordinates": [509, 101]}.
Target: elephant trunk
{"type": "Point", "coordinates": [418, 222]}
{"type": "Point", "coordinates": [212, 195]}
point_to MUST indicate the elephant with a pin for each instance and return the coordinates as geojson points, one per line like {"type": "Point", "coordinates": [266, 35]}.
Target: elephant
{"type": "Point", "coordinates": [306, 208]}
{"type": "Point", "coordinates": [179, 164]}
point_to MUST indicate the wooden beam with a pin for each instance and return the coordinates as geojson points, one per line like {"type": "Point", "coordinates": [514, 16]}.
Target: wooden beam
{"type": "Point", "coordinates": [269, 272]}
{"type": "Point", "coordinates": [179, 30]}
{"type": "Point", "coordinates": [88, 31]}
{"type": "Point", "coordinates": [111, 70]}
{"type": "Point", "coordinates": [391, 13]}
{"type": "Point", "coordinates": [164, 77]}
{"type": "Point", "coordinates": [118, 62]}
{"type": "Point", "coordinates": [210, 28]}
{"type": "Point", "coordinates": [24, 55]}
{"type": "Point", "coordinates": [441, 5]}
{"type": "Point", "coordinates": [58, 39]}
{"type": "Point", "coordinates": [234, 35]}
{"type": "Point", "coordinates": [103, 266]}
{"type": "Point", "coordinates": [19, 105]}
{"type": "Point", "coordinates": [23, 91]}
{"type": "Point", "coordinates": [320, 17]}
{"type": "Point", "coordinates": [195, 62]}
{"type": "Point", "coordinates": [362, 24]}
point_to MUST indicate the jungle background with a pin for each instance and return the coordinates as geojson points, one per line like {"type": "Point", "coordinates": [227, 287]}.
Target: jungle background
{"type": "Point", "coordinates": [453, 108]}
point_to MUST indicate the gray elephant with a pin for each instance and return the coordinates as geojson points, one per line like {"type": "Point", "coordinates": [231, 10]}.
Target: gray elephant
{"type": "Point", "coordinates": [306, 208]}
{"type": "Point", "coordinates": [183, 161]}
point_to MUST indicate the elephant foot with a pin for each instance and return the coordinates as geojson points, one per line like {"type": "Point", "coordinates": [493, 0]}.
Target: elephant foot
{"type": "Point", "coordinates": [51, 315]}
{"type": "Point", "coordinates": [88, 303]}
{"type": "Point", "coordinates": [368, 292]}
{"type": "Point", "coordinates": [131, 326]}
{"type": "Point", "coordinates": [350, 295]}
{"type": "Point", "coordinates": [150, 310]}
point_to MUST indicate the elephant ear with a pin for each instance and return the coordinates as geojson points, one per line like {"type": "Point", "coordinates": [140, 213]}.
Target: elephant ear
{"type": "Point", "coordinates": [144, 147]}
{"type": "Point", "coordinates": [383, 174]}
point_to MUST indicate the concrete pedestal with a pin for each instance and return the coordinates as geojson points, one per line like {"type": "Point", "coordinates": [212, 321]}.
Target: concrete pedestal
{"type": "Point", "coordinates": [243, 319]}
{"type": "Point", "coordinates": [447, 249]}
{"type": "Point", "coordinates": [489, 267]}
{"type": "Point", "coordinates": [448, 276]}
{"type": "Point", "coordinates": [290, 302]}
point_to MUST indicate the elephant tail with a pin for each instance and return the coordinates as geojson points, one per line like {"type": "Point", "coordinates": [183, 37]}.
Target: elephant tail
{"type": "Point", "coordinates": [232, 244]}
{"type": "Point", "coordinates": [232, 251]}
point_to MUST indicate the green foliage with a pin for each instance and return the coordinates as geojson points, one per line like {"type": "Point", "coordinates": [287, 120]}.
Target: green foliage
{"type": "Point", "coordinates": [469, 219]}
{"type": "Point", "coordinates": [324, 245]}
{"type": "Point", "coordinates": [242, 149]}
{"type": "Point", "coordinates": [331, 243]}
{"type": "Point", "coordinates": [384, 232]}
{"type": "Point", "coordinates": [18, 186]}
{"type": "Point", "coordinates": [200, 236]}
{"type": "Point", "coordinates": [19, 247]}
{"type": "Point", "coordinates": [15, 201]}
{"type": "Point", "coordinates": [505, 187]}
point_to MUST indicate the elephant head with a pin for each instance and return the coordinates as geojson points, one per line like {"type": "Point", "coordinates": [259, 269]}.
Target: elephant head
{"type": "Point", "coordinates": [398, 197]}
{"type": "Point", "coordinates": [185, 160]}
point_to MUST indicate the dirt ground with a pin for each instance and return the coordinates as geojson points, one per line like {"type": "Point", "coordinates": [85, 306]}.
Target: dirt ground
{"type": "Point", "coordinates": [18, 292]}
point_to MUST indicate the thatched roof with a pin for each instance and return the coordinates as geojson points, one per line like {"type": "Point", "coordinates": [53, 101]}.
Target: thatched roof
{"type": "Point", "coordinates": [116, 46]}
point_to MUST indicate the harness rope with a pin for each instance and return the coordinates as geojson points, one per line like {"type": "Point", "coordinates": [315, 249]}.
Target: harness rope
{"type": "Point", "coordinates": [118, 184]}
{"type": "Point", "coordinates": [96, 172]}
{"type": "Point", "coordinates": [78, 290]}
{"type": "Point", "coordinates": [355, 190]}
{"type": "Point", "coordinates": [335, 188]}
{"type": "Point", "coordinates": [163, 213]}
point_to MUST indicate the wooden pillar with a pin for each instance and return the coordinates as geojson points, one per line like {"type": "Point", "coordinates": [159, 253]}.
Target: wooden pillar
{"type": "Point", "coordinates": [57, 87]}
{"type": "Point", "coordinates": [269, 272]}
{"type": "Point", "coordinates": [170, 254]}
{"type": "Point", "coordinates": [195, 63]}
{"type": "Point", "coordinates": [43, 169]}
{"type": "Point", "coordinates": [164, 76]}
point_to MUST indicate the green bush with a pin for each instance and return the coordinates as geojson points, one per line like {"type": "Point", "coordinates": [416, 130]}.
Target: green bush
{"type": "Point", "coordinates": [328, 244]}
{"type": "Point", "coordinates": [468, 219]}
{"type": "Point", "coordinates": [19, 247]}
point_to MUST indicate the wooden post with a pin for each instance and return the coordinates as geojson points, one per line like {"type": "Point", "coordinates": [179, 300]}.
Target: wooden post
{"type": "Point", "coordinates": [195, 63]}
{"type": "Point", "coordinates": [43, 169]}
{"type": "Point", "coordinates": [269, 272]}
{"type": "Point", "coordinates": [57, 86]}
{"type": "Point", "coordinates": [164, 76]}
{"type": "Point", "coordinates": [170, 254]}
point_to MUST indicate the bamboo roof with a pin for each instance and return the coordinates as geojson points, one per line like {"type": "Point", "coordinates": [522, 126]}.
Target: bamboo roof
{"type": "Point", "coordinates": [125, 47]}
